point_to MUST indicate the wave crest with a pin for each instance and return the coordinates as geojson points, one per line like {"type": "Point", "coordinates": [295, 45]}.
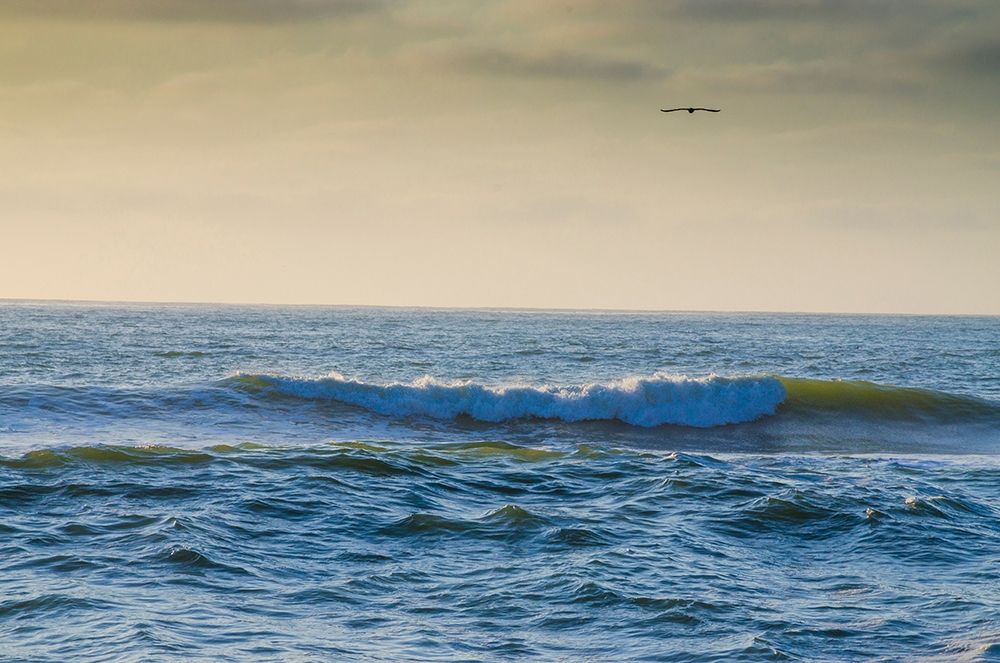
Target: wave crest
{"type": "Point", "coordinates": [638, 401]}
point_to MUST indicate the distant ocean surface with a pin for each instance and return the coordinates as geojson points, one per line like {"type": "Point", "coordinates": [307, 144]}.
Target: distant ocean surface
{"type": "Point", "coordinates": [227, 483]}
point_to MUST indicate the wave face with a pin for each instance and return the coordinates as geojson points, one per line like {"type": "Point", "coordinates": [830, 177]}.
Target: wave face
{"type": "Point", "coordinates": [877, 401]}
{"type": "Point", "coordinates": [638, 401]}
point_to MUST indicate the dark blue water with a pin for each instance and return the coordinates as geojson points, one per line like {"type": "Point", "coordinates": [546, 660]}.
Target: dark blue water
{"type": "Point", "coordinates": [361, 484]}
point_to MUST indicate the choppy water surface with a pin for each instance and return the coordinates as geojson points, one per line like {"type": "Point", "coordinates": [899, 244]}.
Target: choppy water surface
{"type": "Point", "coordinates": [227, 483]}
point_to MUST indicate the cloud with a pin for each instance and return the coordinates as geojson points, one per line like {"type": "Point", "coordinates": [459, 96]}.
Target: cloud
{"type": "Point", "coordinates": [817, 77]}
{"type": "Point", "coordinates": [809, 10]}
{"type": "Point", "coordinates": [238, 11]}
{"type": "Point", "coordinates": [552, 65]}
{"type": "Point", "coordinates": [977, 58]}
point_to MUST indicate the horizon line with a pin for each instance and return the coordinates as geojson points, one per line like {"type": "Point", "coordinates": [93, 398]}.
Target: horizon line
{"type": "Point", "coordinates": [523, 309]}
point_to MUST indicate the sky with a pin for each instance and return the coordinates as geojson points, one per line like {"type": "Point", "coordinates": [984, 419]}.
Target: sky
{"type": "Point", "coordinates": [503, 153]}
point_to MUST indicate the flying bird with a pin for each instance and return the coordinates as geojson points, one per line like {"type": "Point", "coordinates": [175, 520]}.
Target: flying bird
{"type": "Point", "coordinates": [690, 110]}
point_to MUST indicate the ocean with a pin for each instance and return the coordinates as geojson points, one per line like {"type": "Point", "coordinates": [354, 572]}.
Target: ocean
{"type": "Point", "coordinates": [232, 483]}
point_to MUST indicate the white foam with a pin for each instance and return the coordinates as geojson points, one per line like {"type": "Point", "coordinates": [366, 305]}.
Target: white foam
{"type": "Point", "coordinates": [639, 401]}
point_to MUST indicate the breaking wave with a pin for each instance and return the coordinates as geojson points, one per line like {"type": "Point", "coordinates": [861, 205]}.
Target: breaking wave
{"type": "Point", "coordinates": [638, 401]}
{"type": "Point", "coordinates": [701, 402]}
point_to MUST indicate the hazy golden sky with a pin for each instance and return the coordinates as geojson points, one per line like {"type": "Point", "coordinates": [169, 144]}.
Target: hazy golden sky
{"type": "Point", "coordinates": [503, 153]}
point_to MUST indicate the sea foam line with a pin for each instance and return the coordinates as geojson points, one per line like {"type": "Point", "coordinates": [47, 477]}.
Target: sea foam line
{"type": "Point", "coordinates": [639, 401]}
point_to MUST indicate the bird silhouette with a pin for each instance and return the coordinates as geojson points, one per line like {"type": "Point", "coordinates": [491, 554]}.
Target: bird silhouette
{"type": "Point", "coordinates": [690, 110]}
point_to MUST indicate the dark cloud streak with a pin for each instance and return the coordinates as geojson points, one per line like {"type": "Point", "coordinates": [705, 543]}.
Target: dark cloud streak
{"type": "Point", "coordinates": [981, 58]}
{"type": "Point", "coordinates": [814, 10]}
{"type": "Point", "coordinates": [235, 11]}
{"type": "Point", "coordinates": [814, 78]}
{"type": "Point", "coordinates": [553, 65]}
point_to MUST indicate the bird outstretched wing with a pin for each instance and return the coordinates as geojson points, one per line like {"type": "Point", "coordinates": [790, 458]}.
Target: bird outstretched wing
{"type": "Point", "coordinates": [690, 110]}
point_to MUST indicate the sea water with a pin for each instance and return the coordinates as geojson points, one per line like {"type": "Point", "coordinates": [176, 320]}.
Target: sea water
{"type": "Point", "coordinates": [321, 483]}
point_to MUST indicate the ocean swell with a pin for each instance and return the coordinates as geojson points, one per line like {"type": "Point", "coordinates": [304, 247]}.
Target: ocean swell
{"type": "Point", "coordinates": [638, 401]}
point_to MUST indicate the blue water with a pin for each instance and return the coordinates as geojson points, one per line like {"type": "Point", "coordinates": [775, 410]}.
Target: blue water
{"type": "Point", "coordinates": [239, 483]}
